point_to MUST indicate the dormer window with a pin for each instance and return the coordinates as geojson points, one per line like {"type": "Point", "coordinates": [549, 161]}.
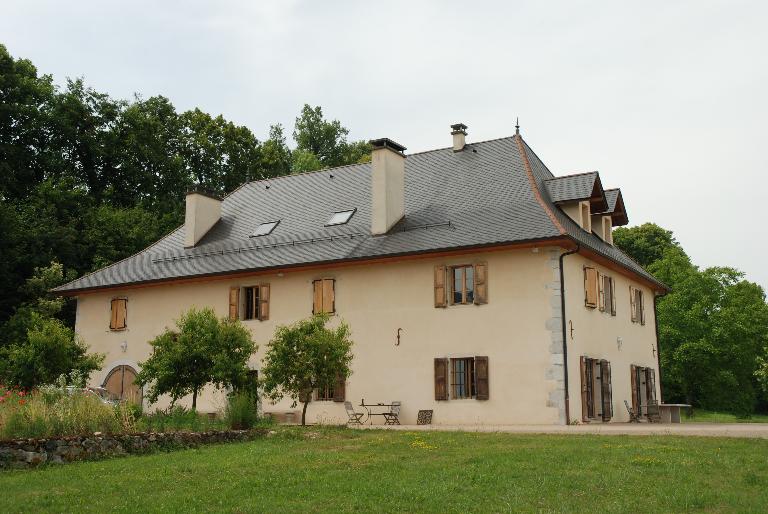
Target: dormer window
{"type": "Point", "coordinates": [608, 230]}
{"type": "Point", "coordinates": [340, 218]}
{"type": "Point", "coordinates": [586, 219]}
{"type": "Point", "coordinates": [265, 228]}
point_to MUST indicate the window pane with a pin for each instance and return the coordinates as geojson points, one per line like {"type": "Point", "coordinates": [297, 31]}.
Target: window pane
{"type": "Point", "coordinates": [470, 271]}
{"type": "Point", "coordinates": [248, 303]}
{"type": "Point", "coordinates": [264, 229]}
{"type": "Point", "coordinates": [339, 218]}
{"type": "Point", "coordinates": [458, 286]}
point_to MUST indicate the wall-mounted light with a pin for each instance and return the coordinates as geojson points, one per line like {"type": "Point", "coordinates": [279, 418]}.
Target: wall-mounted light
{"type": "Point", "coordinates": [619, 342]}
{"type": "Point", "coordinates": [124, 346]}
{"type": "Point", "coordinates": [398, 336]}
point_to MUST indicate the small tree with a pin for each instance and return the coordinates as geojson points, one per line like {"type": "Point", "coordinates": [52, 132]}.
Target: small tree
{"type": "Point", "coordinates": [204, 350]}
{"type": "Point", "coordinates": [305, 356]}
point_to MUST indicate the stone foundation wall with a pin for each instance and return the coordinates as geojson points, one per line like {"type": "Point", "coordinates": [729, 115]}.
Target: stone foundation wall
{"type": "Point", "coordinates": [25, 453]}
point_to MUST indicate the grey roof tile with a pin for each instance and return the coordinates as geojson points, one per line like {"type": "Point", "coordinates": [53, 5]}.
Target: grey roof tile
{"type": "Point", "coordinates": [477, 197]}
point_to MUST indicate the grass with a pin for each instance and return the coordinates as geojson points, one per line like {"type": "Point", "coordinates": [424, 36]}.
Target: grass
{"type": "Point", "coordinates": [703, 416]}
{"type": "Point", "coordinates": [343, 470]}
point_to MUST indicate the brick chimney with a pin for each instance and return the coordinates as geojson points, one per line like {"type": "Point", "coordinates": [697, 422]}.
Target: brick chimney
{"type": "Point", "coordinates": [203, 211]}
{"type": "Point", "coordinates": [459, 133]}
{"type": "Point", "coordinates": [387, 185]}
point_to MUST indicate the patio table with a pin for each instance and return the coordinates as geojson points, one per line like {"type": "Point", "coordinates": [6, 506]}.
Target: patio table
{"type": "Point", "coordinates": [369, 414]}
{"type": "Point", "coordinates": [670, 412]}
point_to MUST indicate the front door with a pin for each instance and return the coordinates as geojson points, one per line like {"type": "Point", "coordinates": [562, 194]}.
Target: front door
{"type": "Point", "coordinates": [121, 384]}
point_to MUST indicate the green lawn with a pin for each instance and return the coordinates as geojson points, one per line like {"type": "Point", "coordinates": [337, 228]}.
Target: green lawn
{"type": "Point", "coordinates": [342, 470]}
{"type": "Point", "coordinates": [704, 416]}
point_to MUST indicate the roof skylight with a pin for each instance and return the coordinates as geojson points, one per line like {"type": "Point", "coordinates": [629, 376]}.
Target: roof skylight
{"type": "Point", "coordinates": [340, 218]}
{"type": "Point", "coordinates": [265, 228]}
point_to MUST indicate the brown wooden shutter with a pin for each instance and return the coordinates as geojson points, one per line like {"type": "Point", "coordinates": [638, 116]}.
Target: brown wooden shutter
{"type": "Point", "coordinates": [440, 299]}
{"type": "Point", "coordinates": [632, 304]}
{"type": "Point", "coordinates": [264, 302]}
{"type": "Point", "coordinates": [605, 382]}
{"type": "Point", "coordinates": [441, 379]}
{"type": "Point", "coordinates": [651, 384]}
{"type": "Point", "coordinates": [122, 312]}
{"type": "Point", "coordinates": [633, 385]}
{"type": "Point", "coordinates": [234, 302]}
{"type": "Point", "coordinates": [481, 283]}
{"type": "Point", "coordinates": [339, 390]}
{"type": "Point", "coordinates": [317, 296]}
{"type": "Point", "coordinates": [590, 287]}
{"type": "Point", "coordinates": [584, 388]}
{"type": "Point", "coordinates": [601, 292]}
{"type": "Point", "coordinates": [113, 314]}
{"type": "Point", "coordinates": [613, 296]}
{"type": "Point", "coordinates": [481, 378]}
{"type": "Point", "coordinates": [641, 303]}
{"type": "Point", "coordinates": [329, 295]}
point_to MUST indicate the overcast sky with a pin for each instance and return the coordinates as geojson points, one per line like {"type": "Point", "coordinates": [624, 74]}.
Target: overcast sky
{"type": "Point", "coordinates": [667, 100]}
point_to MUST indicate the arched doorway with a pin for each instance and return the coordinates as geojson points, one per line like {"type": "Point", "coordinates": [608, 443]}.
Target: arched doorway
{"type": "Point", "coordinates": [121, 384]}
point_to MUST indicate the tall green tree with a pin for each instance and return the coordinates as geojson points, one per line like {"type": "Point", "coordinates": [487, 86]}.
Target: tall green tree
{"type": "Point", "coordinates": [203, 350]}
{"type": "Point", "coordinates": [326, 140]}
{"type": "Point", "coordinates": [306, 356]}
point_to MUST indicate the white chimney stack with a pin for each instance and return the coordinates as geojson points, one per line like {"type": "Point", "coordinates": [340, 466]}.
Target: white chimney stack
{"type": "Point", "coordinates": [459, 134]}
{"type": "Point", "coordinates": [203, 212]}
{"type": "Point", "coordinates": [387, 185]}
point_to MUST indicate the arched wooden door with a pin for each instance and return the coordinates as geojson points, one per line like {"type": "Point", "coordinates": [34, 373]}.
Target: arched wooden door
{"type": "Point", "coordinates": [121, 384]}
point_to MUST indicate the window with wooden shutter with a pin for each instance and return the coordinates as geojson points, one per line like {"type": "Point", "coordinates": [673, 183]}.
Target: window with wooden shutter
{"type": "Point", "coordinates": [234, 302]}
{"type": "Point", "coordinates": [585, 387]}
{"type": "Point", "coordinates": [440, 296]}
{"type": "Point", "coordinates": [340, 389]}
{"type": "Point", "coordinates": [633, 386]}
{"type": "Point", "coordinates": [650, 384]}
{"type": "Point", "coordinates": [633, 304]}
{"type": "Point", "coordinates": [607, 391]}
{"type": "Point", "coordinates": [590, 287]}
{"type": "Point", "coordinates": [264, 302]}
{"type": "Point", "coordinates": [481, 378]}
{"type": "Point", "coordinates": [324, 296]}
{"type": "Point", "coordinates": [601, 291]}
{"type": "Point", "coordinates": [481, 283]}
{"type": "Point", "coordinates": [613, 295]}
{"type": "Point", "coordinates": [118, 313]}
{"type": "Point", "coordinates": [441, 379]}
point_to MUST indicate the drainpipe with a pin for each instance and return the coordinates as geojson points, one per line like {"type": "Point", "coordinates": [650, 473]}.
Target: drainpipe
{"type": "Point", "coordinates": [565, 346]}
{"type": "Point", "coordinates": [658, 350]}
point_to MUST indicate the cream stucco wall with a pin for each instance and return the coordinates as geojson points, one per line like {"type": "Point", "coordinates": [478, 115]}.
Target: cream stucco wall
{"type": "Point", "coordinates": [596, 334]}
{"type": "Point", "coordinates": [519, 330]}
{"type": "Point", "coordinates": [376, 300]}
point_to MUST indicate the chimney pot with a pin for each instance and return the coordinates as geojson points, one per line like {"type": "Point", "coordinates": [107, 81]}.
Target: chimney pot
{"type": "Point", "coordinates": [459, 133]}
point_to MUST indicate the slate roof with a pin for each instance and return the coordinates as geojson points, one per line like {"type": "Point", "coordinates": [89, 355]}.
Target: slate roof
{"type": "Point", "coordinates": [616, 207]}
{"type": "Point", "coordinates": [478, 197]}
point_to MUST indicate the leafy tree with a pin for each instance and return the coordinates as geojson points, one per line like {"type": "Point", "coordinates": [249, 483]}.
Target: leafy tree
{"type": "Point", "coordinates": [275, 154]}
{"type": "Point", "coordinates": [712, 325]}
{"type": "Point", "coordinates": [205, 350]}
{"type": "Point", "coordinates": [303, 161]}
{"type": "Point", "coordinates": [50, 349]}
{"type": "Point", "coordinates": [326, 140]}
{"type": "Point", "coordinates": [305, 356]}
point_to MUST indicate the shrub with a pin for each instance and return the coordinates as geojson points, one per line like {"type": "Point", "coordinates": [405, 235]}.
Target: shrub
{"type": "Point", "coordinates": [241, 412]}
{"type": "Point", "coordinates": [177, 418]}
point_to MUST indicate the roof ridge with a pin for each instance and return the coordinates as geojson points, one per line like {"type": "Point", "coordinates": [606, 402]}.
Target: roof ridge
{"type": "Point", "coordinates": [573, 175]}
{"type": "Point", "coordinates": [534, 185]}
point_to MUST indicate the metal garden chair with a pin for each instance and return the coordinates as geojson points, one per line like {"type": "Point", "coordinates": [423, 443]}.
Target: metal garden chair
{"type": "Point", "coordinates": [355, 418]}
{"type": "Point", "coordinates": [392, 417]}
{"type": "Point", "coordinates": [632, 413]}
{"type": "Point", "coordinates": [653, 412]}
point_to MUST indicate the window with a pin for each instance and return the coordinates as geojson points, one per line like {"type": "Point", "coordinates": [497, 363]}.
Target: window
{"type": "Point", "coordinates": [607, 297]}
{"type": "Point", "coordinates": [340, 218]}
{"type": "Point", "coordinates": [462, 284]}
{"type": "Point", "coordinates": [463, 378]}
{"type": "Point", "coordinates": [586, 219]}
{"type": "Point", "coordinates": [118, 313]}
{"type": "Point", "coordinates": [324, 296]}
{"type": "Point", "coordinates": [596, 391]}
{"type": "Point", "coordinates": [637, 305]}
{"type": "Point", "coordinates": [255, 302]}
{"type": "Point", "coordinates": [590, 287]}
{"type": "Point", "coordinates": [643, 382]}
{"type": "Point", "coordinates": [265, 229]}
{"type": "Point", "coordinates": [324, 394]}
{"type": "Point", "coordinates": [466, 377]}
